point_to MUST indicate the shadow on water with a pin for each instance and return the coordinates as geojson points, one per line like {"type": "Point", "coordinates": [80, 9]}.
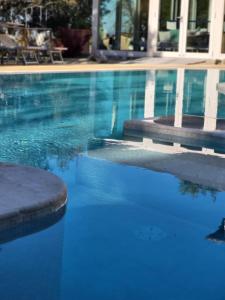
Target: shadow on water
{"type": "Point", "coordinates": [31, 227]}
{"type": "Point", "coordinates": [219, 235]}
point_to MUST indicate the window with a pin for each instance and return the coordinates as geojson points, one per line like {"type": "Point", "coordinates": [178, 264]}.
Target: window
{"type": "Point", "coordinates": [199, 22]}
{"type": "Point", "coordinates": [169, 25]}
{"type": "Point", "coordinates": [123, 25]}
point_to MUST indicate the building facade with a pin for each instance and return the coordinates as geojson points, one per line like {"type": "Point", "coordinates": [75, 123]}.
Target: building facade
{"type": "Point", "coordinates": [164, 28]}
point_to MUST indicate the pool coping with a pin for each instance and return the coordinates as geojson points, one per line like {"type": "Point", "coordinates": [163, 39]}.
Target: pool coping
{"type": "Point", "coordinates": [28, 193]}
{"type": "Point", "coordinates": [35, 69]}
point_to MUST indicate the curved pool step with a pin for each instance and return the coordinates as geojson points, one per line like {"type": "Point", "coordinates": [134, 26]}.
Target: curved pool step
{"type": "Point", "coordinates": [192, 132]}
{"type": "Point", "coordinates": [28, 193]}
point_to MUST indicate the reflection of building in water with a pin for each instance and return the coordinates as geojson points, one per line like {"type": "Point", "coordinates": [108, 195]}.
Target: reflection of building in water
{"type": "Point", "coordinates": [182, 98]}
{"type": "Point", "coordinates": [194, 99]}
{"type": "Point", "coordinates": [192, 93]}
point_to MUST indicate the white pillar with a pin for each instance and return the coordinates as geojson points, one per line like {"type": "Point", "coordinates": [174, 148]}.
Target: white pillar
{"type": "Point", "coordinates": [178, 120]}
{"type": "Point", "coordinates": [95, 23]}
{"type": "Point", "coordinates": [183, 27]}
{"type": "Point", "coordinates": [211, 100]}
{"type": "Point", "coordinates": [153, 26]}
{"type": "Point", "coordinates": [216, 32]}
{"type": "Point", "coordinates": [150, 95]}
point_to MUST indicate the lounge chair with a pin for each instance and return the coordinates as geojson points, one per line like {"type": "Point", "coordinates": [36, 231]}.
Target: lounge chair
{"type": "Point", "coordinates": [55, 54]}
{"type": "Point", "coordinates": [41, 42]}
{"type": "Point", "coordinates": [29, 54]}
{"type": "Point", "coordinates": [8, 48]}
{"type": "Point", "coordinates": [31, 45]}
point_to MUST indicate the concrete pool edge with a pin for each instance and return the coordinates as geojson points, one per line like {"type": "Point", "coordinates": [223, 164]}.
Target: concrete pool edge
{"type": "Point", "coordinates": [27, 194]}
{"type": "Point", "coordinates": [36, 69]}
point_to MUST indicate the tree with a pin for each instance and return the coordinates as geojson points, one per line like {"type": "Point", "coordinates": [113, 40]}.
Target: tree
{"type": "Point", "coordinates": [74, 13]}
{"type": "Point", "coordinates": [194, 189]}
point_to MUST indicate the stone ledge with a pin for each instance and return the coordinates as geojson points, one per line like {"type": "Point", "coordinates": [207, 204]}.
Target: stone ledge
{"type": "Point", "coordinates": [28, 193]}
{"type": "Point", "coordinates": [35, 69]}
{"type": "Point", "coordinates": [152, 128]}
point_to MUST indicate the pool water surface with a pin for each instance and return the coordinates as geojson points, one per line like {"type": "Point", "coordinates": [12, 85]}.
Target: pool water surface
{"type": "Point", "coordinates": [128, 233]}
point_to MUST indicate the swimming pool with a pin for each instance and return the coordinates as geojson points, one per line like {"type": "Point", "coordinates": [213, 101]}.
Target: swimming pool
{"type": "Point", "coordinates": [128, 232]}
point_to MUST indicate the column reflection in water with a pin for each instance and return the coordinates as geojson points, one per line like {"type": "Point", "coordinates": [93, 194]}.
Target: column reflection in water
{"type": "Point", "coordinates": [196, 103]}
{"type": "Point", "coordinates": [179, 98]}
{"type": "Point", "coordinates": [149, 110]}
{"type": "Point", "coordinates": [221, 105]}
{"type": "Point", "coordinates": [123, 25]}
{"type": "Point", "coordinates": [211, 102]}
{"type": "Point", "coordinates": [186, 98]}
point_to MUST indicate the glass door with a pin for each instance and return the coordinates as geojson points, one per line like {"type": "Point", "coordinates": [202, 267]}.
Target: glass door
{"type": "Point", "coordinates": [123, 25]}
{"type": "Point", "coordinates": [184, 28]}
{"type": "Point", "coordinates": [169, 25]}
{"type": "Point", "coordinates": [223, 32]}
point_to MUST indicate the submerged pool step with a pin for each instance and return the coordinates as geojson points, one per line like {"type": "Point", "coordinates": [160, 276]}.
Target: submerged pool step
{"type": "Point", "coordinates": [163, 129]}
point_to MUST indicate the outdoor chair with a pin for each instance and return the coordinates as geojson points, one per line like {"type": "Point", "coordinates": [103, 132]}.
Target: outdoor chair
{"type": "Point", "coordinates": [41, 44]}
{"type": "Point", "coordinates": [31, 45]}
{"type": "Point", "coordinates": [13, 44]}
{"type": "Point", "coordinates": [55, 50]}
{"type": "Point", "coordinates": [29, 51]}
{"type": "Point", "coordinates": [55, 54]}
{"type": "Point", "coordinates": [8, 48]}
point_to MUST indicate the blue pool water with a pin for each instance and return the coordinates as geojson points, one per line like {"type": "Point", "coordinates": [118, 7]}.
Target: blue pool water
{"type": "Point", "coordinates": [128, 233]}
